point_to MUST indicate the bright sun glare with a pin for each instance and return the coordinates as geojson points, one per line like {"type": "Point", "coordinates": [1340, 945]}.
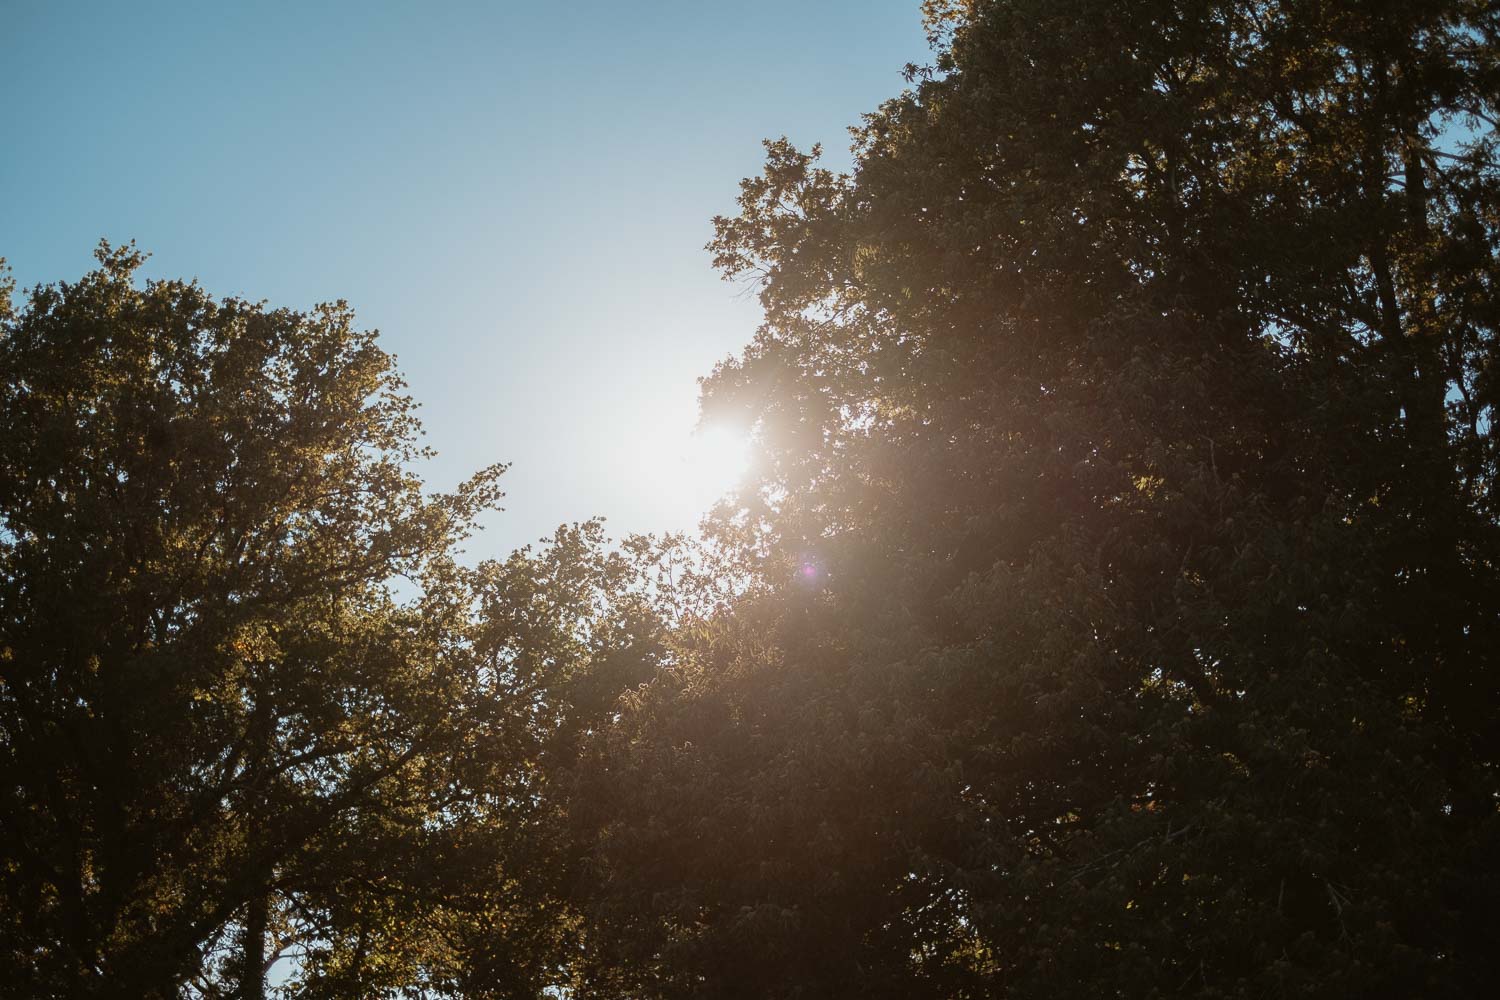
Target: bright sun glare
{"type": "Point", "coordinates": [714, 462]}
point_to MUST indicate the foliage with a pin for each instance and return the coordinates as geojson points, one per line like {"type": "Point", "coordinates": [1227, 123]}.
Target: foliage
{"type": "Point", "coordinates": [1127, 617]}
{"type": "Point", "coordinates": [223, 736]}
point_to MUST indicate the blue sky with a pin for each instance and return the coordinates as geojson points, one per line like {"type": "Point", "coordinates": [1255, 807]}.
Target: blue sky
{"type": "Point", "coordinates": [516, 194]}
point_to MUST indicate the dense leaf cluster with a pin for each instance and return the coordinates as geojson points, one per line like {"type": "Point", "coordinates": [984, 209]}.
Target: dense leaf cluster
{"type": "Point", "coordinates": [224, 735]}
{"type": "Point", "coordinates": [1128, 532]}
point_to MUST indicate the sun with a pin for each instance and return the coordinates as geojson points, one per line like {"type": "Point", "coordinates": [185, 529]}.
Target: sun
{"type": "Point", "coordinates": [715, 461]}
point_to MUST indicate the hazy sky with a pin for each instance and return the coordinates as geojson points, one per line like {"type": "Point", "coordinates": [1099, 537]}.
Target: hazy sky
{"type": "Point", "coordinates": [516, 194]}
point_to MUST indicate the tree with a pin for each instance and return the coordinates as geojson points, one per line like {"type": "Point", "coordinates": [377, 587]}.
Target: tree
{"type": "Point", "coordinates": [222, 734]}
{"type": "Point", "coordinates": [1128, 535]}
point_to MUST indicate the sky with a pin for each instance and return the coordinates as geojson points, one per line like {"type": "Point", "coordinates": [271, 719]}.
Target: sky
{"type": "Point", "coordinates": [517, 195]}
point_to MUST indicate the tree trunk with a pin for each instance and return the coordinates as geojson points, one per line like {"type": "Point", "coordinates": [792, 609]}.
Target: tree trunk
{"type": "Point", "coordinates": [253, 947]}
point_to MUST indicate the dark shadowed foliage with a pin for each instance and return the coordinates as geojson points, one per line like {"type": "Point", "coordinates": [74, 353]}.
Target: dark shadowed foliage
{"type": "Point", "coordinates": [1127, 616]}
{"type": "Point", "coordinates": [223, 735]}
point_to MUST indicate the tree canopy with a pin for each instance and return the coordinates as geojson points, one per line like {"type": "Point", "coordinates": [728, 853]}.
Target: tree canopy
{"type": "Point", "coordinates": [1127, 532]}
{"type": "Point", "coordinates": [223, 734]}
{"type": "Point", "coordinates": [1114, 610]}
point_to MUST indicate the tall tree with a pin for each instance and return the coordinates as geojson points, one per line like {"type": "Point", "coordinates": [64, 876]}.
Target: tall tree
{"type": "Point", "coordinates": [1128, 532]}
{"type": "Point", "coordinates": [222, 734]}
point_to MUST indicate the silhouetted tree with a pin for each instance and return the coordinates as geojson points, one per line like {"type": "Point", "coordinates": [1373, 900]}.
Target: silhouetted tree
{"type": "Point", "coordinates": [222, 734]}
{"type": "Point", "coordinates": [1127, 617]}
